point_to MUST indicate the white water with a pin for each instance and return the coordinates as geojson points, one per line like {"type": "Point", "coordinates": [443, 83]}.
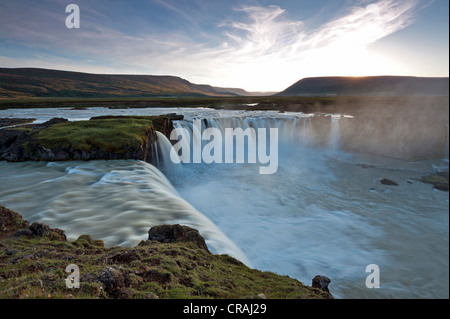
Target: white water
{"type": "Point", "coordinates": [116, 201]}
{"type": "Point", "coordinates": [335, 133]}
{"type": "Point", "coordinates": [320, 213]}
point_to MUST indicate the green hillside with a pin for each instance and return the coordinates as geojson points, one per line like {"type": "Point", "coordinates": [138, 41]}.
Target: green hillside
{"type": "Point", "coordinates": [32, 82]}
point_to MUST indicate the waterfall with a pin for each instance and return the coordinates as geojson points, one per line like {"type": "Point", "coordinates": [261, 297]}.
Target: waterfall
{"type": "Point", "coordinates": [291, 129]}
{"type": "Point", "coordinates": [163, 160]}
{"type": "Point", "coordinates": [335, 133]}
{"type": "Point", "coordinates": [294, 132]}
{"type": "Point", "coordinates": [116, 201]}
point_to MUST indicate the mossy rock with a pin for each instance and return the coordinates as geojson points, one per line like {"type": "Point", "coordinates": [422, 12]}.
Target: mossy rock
{"type": "Point", "coordinates": [438, 180]}
{"type": "Point", "coordinates": [88, 242]}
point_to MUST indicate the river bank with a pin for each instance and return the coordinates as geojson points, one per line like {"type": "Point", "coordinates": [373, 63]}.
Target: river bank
{"type": "Point", "coordinates": [174, 263]}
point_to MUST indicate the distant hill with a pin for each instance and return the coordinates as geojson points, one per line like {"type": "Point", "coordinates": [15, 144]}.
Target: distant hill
{"type": "Point", "coordinates": [369, 86]}
{"type": "Point", "coordinates": [242, 92]}
{"type": "Point", "coordinates": [33, 82]}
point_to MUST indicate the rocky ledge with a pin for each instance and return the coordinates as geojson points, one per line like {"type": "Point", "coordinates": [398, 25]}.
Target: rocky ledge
{"type": "Point", "coordinates": [101, 138]}
{"type": "Point", "coordinates": [14, 121]}
{"type": "Point", "coordinates": [173, 263]}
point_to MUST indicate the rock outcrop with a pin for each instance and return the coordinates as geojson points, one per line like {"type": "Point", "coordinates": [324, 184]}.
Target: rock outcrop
{"type": "Point", "coordinates": [439, 180]}
{"type": "Point", "coordinates": [388, 182]}
{"type": "Point", "coordinates": [321, 282]}
{"type": "Point", "coordinates": [177, 233]}
{"type": "Point", "coordinates": [101, 138]}
{"type": "Point", "coordinates": [14, 121]}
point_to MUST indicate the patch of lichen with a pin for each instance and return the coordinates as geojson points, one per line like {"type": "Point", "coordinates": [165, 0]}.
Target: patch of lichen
{"type": "Point", "coordinates": [34, 267]}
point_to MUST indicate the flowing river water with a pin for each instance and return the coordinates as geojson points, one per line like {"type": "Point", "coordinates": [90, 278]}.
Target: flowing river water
{"type": "Point", "coordinates": [323, 212]}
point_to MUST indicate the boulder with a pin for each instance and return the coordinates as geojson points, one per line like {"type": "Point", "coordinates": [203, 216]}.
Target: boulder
{"type": "Point", "coordinates": [176, 233]}
{"type": "Point", "coordinates": [87, 242]}
{"type": "Point", "coordinates": [439, 181]}
{"type": "Point", "coordinates": [53, 121]}
{"type": "Point", "coordinates": [388, 182]}
{"type": "Point", "coordinates": [115, 282]}
{"type": "Point", "coordinates": [43, 230]}
{"type": "Point", "coordinates": [321, 282]}
{"type": "Point", "coordinates": [40, 230]}
{"type": "Point", "coordinates": [10, 222]}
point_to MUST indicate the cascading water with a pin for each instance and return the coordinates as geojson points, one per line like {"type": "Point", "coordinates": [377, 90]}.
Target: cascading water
{"type": "Point", "coordinates": [335, 133]}
{"type": "Point", "coordinates": [321, 213]}
{"type": "Point", "coordinates": [295, 130]}
{"type": "Point", "coordinates": [116, 201]}
{"type": "Point", "coordinates": [163, 159]}
{"type": "Point", "coordinates": [316, 215]}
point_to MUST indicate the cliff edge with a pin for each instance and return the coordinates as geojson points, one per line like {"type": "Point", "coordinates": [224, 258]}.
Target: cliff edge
{"type": "Point", "coordinates": [174, 263]}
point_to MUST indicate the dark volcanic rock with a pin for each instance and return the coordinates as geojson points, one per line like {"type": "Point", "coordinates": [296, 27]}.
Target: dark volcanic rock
{"type": "Point", "coordinates": [9, 139]}
{"type": "Point", "coordinates": [174, 116]}
{"type": "Point", "coordinates": [10, 222]}
{"type": "Point", "coordinates": [43, 230]}
{"type": "Point", "coordinates": [40, 229]}
{"type": "Point", "coordinates": [115, 282]}
{"type": "Point", "coordinates": [14, 121]}
{"type": "Point", "coordinates": [176, 233]}
{"type": "Point", "coordinates": [23, 232]}
{"type": "Point", "coordinates": [15, 144]}
{"type": "Point", "coordinates": [53, 121]}
{"type": "Point", "coordinates": [321, 282]}
{"type": "Point", "coordinates": [388, 182]}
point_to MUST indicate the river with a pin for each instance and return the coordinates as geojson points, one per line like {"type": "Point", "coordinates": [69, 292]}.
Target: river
{"type": "Point", "coordinates": [323, 212]}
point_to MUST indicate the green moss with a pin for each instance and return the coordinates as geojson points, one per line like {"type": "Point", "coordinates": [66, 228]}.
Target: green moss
{"type": "Point", "coordinates": [107, 135]}
{"type": "Point", "coordinates": [35, 268]}
{"type": "Point", "coordinates": [87, 241]}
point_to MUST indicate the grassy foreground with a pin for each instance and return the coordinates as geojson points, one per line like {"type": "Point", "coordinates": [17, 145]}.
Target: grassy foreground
{"type": "Point", "coordinates": [33, 260]}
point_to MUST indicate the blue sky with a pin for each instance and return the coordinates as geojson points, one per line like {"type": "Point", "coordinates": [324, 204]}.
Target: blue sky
{"type": "Point", "coordinates": [257, 45]}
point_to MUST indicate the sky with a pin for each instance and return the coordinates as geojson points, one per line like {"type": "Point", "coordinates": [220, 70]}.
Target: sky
{"type": "Point", "coordinates": [257, 45]}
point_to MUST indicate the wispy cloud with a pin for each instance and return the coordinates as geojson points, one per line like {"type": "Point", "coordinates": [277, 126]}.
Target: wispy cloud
{"type": "Point", "coordinates": [258, 48]}
{"type": "Point", "coordinates": [269, 43]}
